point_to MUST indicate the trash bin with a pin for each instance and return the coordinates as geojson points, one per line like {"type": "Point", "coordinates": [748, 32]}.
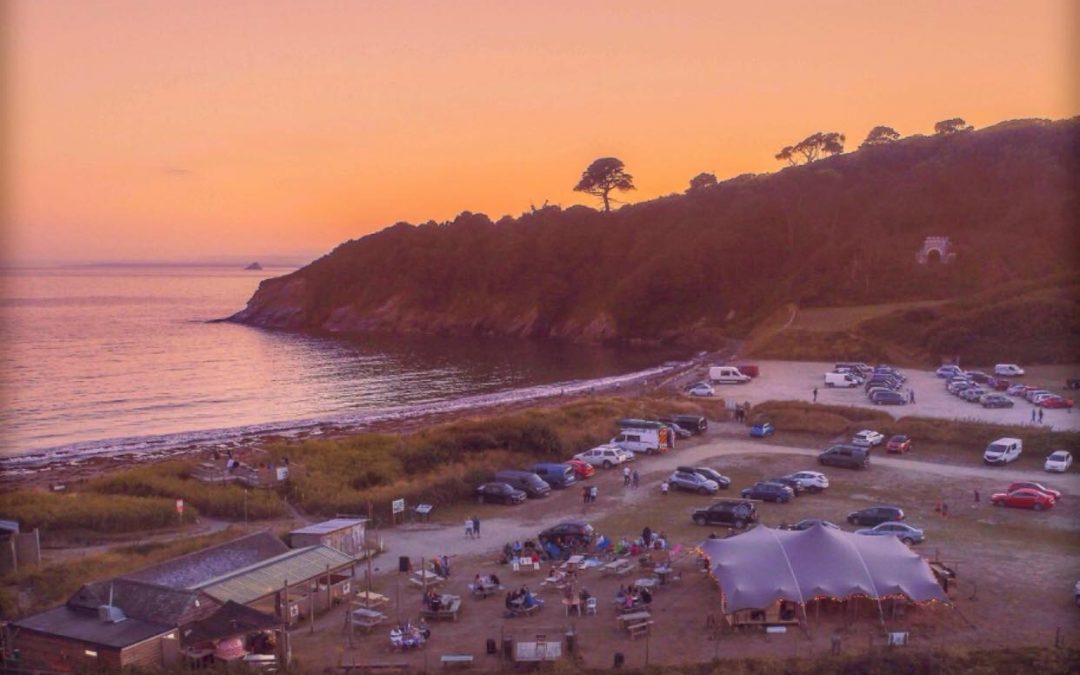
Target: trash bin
{"type": "Point", "coordinates": [508, 648]}
{"type": "Point", "coordinates": [403, 563]}
{"type": "Point", "coordinates": [492, 648]}
{"type": "Point", "coordinates": [570, 638]}
{"type": "Point", "coordinates": [619, 659]}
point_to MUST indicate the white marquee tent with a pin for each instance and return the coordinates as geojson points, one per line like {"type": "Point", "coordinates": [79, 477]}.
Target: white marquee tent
{"type": "Point", "coordinates": [763, 566]}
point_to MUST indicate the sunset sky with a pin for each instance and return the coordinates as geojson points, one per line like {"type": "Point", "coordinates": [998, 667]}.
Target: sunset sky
{"type": "Point", "coordinates": [153, 130]}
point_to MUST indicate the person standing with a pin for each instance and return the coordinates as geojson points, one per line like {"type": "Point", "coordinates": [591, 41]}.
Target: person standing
{"type": "Point", "coordinates": [586, 492]}
{"type": "Point", "coordinates": [1040, 415]}
{"type": "Point", "coordinates": [1033, 415]}
{"type": "Point", "coordinates": [635, 479]}
{"type": "Point", "coordinates": [626, 476]}
{"type": "Point", "coordinates": [476, 526]}
{"type": "Point", "coordinates": [468, 528]}
{"type": "Point", "coordinates": [593, 493]}
{"type": "Point", "coordinates": [815, 394]}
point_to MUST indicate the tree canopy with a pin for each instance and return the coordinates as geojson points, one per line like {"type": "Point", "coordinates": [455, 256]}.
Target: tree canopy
{"type": "Point", "coordinates": [701, 181]}
{"type": "Point", "coordinates": [951, 126]}
{"type": "Point", "coordinates": [603, 176]}
{"type": "Point", "coordinates": [813, 147]}
{"type": "Point", "coordinates": [880, 135]}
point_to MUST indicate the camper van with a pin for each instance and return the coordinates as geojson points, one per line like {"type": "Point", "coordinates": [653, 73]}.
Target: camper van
{"type": "Point", "coordinates": [649, 441]}
{"type": "Point", "coordinates": [841, 380]}
{"type": "Point", "coordinates": [727, 375]}
{"type": "Point", "coordinates": [1003, 451]}
{"type": "Point", "coordinates": [1008, 370]}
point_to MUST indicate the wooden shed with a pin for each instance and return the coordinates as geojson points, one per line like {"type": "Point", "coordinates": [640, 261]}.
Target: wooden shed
{"type": "Point", "coordinates": [343, 534]}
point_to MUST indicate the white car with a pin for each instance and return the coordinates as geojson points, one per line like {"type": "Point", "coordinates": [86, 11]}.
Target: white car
{"type": "Point", "coordinates": [811, 481]}
{"type": "Point", "coordinates": [867, 438]}
{"type": "Point", "coordinates": [1008, 370]}
{"type": "Point", "coordinates": [1059, 461]}
{"type": "Point", "coordinates": [701, 390]}
{"type": "Point", "coordinates": [605, 456]}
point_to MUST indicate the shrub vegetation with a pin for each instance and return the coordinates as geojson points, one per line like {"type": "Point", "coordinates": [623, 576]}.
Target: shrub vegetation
{"type": "Point", "coordinates": [102, 514]}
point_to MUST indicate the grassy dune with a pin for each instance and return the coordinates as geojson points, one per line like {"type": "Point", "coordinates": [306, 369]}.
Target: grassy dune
{"type": "Point", "coordinates": [90, 512]}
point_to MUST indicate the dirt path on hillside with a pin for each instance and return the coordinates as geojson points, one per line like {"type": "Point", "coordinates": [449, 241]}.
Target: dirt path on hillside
{"type": "Point", "coordinates": [427, 540]}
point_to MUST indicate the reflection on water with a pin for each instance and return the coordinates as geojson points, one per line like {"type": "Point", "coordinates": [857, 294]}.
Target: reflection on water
{"type": "Point", "coordinates": [100, 353]}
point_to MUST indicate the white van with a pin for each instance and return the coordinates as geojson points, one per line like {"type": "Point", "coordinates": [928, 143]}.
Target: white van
{"type": "Point", "coordinates": [727, 375]}
{"type": "Point", "coordinates": [650, 441]}
{"type": "Point", "coordinates": [1003, 451]}
{"type": "Point", "coordinates": [841, 380]}
{"type": "Point", "coordinates": [1008, 370]}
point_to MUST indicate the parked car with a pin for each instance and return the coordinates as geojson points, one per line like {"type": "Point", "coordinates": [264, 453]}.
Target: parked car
{"type": "Point", "coordinates": [558, 476]}
{"type": "Point", "coordinates": [1028, 485]}
{"type": "Point", "coordinates": [948, 371]}
{"type": "Point", "coordinates": [888, 398]}
{"type": "Point", "coordinates": [1030, 394]}
{"type": "Point", "coordinates": [973, 394]}
{"type": "Point", "coordinates": [811, 481]}
{"type": "Point", "coordinates": [692, 481]}
{"type": "Point", "coordinates": [998, 383]}
{"type": "Point", "coordinates": [844, 380]}
{"type": "Point", "coordinates": [957, 386]}
{"type": "Point", "coordinates": [1059, 461]}
{"type": "Point", "coordinates": [808, 523]}
{"type": "Point", "coordinates": [582, 469]}
{"type": "Point", "coordinates": [902, 531]}
{"type": "Point", "coordinates": [762, 429]}
{"type": "Point", "coordinates": [899, 444]}
{"type": "Point", "coordinates": [1055, 401]}
{"type": "Point", "coordinates": [1003, 451]}
{"type": "Point", "coordinates": [868, 438]}
{"type": "Point", "coordinates": [1008, 370]}
{"type": "Point", "coordinates": [701, 389]}
{"type": "Point", "coordinates": [876, 515]}
{"type": "Point", "coordinates": [1017, 389]}
{"type": "Point", "coordinates": [569, 534]}
{"type": "Point", "coordinates": [858, 367]}
{"type": "Point", "coordinates": [996, 401]}
{"type": "Point", "coordinates": [695, 424]}
{"type": "Point", "coordinates": [847, 456]}
{"type": "Point", "coordinates": [678, 431]}
{"type": "Point", "coordinates": [528, 482]}
{"type": "Point", "coordinates": [737, 513]}
{"type": "Point", "coordinates": [712, 474]}
{"type": "Point", "coordinates": [1023, 499]}
{"type": "Point", "coordinates": [883, 381]}
{"type": "Point", "coordinates": [1038, 398]}
{"type": "Point", "coordinates": [978, 377]}
{"type": "Point", "coordinates": [769, 492]}
{"type": "Point", "coordinates": [727, 375]}
{"type": "Point", "coordinates": [606, 456]}
{"type": "Point", "coordinates": [500, 493]}
{"type": "Point", "coordinates": [874, 391]}
{"type": "Point", "coordinates": [796, 487]}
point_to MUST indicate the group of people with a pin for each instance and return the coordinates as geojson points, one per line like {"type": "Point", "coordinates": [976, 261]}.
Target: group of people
{"type": "Point", "coordinates": [648, 541]}
{"type": "Point", "coordinates": [631, 479]}
{"type": "Point", "coordinates": [489, 581]}
{"type": "Point", "coordinates": [522, 598]}
{"type": "Point", "coordinates": [432, 600]}
{"type": "Point", "coordinates": [405, 635]}
{"type": "Point", "coordinates": [589, 493]}
{"type": "Point", "coordinates": [742, 412]}
{"type": "Point", "coordinates": [632, 596]}
{"type": "Point", "coordinates": [516, 550]}
{"type": "Point", "coordinates": [472, 527]}
{"type": "Point", "coordinates": [441, 566]}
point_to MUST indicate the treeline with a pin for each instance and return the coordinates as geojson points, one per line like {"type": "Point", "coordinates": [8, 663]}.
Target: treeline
{"type": "Point", "coordinates": [841, 230]}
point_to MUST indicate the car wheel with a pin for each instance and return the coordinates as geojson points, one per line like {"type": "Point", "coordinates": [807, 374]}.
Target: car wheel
{"type": "Point", "coordinates": [1038, 507]}
{"type": "Point", "coordinates": [699, 520]}
{"type": "Point", "coordinates": [607, 463]}
{"type": "Point", "coordinates": [907, 540]}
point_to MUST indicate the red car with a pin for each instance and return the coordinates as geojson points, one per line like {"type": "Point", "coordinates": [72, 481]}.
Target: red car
{"type": "Point", "coordinates": [1056, 402]}
{"type": "Point", "coordinates": [900, 443]}
{"type": "Point", "coordinates": [582, 469]}
{"type": "Point", "coordinates": [1038, 487]}
{"type": "Point", "coordinates": [1025, 498]}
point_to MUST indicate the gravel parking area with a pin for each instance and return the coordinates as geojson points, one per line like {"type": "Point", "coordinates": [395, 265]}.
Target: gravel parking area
{"type": "Point", "coordinates": [795, 381]}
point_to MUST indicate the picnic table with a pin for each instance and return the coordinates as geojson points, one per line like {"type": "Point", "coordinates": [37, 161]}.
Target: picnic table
{"type": "Point", "coordinates": [365, 618]}
{"type": "Point", "coordinates": [573, 563]}
{"type": "Point", "coordinates": [535, 652]}
{"type": "Point", "coordinates": [371, 600]}
{"type": "Point", "coordinates": [449, 606]}
{"type": "Point", "coordinates": [636, 623]}
{"type": "Point", "coordinates": [425, 579]}
{"type": "Point", "coordinates": [646, 582]}
{"type": "Point", "coordinates": [483, 590]}
{"type": "Point", "coordinates": [617, 567]}
{"type": "Point", "coordinates": [663, 573]}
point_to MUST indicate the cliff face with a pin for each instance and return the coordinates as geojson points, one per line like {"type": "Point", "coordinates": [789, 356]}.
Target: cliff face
{"type": "Point", "coordinates": [690, 268]}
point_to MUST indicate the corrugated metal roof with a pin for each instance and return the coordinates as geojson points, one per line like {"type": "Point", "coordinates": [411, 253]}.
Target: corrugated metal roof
{"type": "Point", "coordinates": [261, 579]}
{"type": "Point", "coordinates": [9, 525]}
{"type": "Point", "coordinates": [197, 568]}
{"type": "Point", "coordinates": [328, 526]}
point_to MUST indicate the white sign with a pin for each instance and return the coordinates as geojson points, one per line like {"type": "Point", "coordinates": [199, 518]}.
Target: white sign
{"type": "Point", "coordinates": [179, 505]}
{"type": "Point", "coordinates": [282, 473]}
{"type": "Point", "coordinates": [398, 505]}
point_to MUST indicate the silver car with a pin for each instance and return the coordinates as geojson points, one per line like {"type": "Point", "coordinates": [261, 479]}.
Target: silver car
{"type": "Point", "coordinates": [905, 533]}
{"type": "Point", "coordinates": [693, 482]}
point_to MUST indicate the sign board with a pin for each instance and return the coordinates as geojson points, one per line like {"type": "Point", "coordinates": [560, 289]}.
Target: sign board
{"type": "Point", "coordinates": [282, 473]}
{"type": "Point", "coordinates": [179, 505]}
{"type": "Point", "coordinates": [398, 506]}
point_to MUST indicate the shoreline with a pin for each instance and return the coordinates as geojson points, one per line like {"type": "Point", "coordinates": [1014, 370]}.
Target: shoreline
{"type": "Point", "coordinates": [63, 465]}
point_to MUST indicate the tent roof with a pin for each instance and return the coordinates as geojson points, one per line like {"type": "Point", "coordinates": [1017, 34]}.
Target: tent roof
{"type": "Point", "coordinates": [759, 567]}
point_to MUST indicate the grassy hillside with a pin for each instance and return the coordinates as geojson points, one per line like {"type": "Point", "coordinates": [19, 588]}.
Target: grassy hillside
{"type": "Point", "coordinates": [714, 262]}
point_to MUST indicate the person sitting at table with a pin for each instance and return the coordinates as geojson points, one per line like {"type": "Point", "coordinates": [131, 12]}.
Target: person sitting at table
{"type": "Point", "coordinates": [646, 596]}
{"type": "Point", "coordinates": [494, 580]}
{"type": "Point", "coordinates": [628, 601]}
{"type": "Point", "coordinates": [510, 598]}
{"type": "Point", "coordinates": [423, 629]}
{"type": "Point", "coordinates": [584, 596]}
{"type": "Point", "coordinates": [517, 548]}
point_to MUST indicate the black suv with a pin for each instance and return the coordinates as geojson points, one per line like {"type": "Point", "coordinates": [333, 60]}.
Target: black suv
{"type": "Point", "coordinates": [502, 493]}
{"type": "Point", "coordinates": [875, 515]}
{"type": "Point", "coordinates": [769, 492]}
{"type": "Point", "coordinates": [796, 486]}
{"type": "Point", "coordinates": [847, 456]}
{"type": "Point", "coordinates": [695, 424]}
{"type": "Point", "coordinates": [568, 534]}
{"type": "Point", "coordinates": [737, 513]}
{"type": "Point", "coordinates": [712, 474]}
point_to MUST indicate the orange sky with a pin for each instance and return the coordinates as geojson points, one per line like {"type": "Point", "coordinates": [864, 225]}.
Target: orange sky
{"type": "Point", "coordinates": [151, 130]}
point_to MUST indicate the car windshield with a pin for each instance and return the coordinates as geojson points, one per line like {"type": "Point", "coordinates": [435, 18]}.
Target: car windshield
{"type": "Point", "coordinates": [1059, 456]}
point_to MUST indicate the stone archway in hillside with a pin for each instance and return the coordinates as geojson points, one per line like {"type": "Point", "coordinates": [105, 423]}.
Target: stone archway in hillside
{"type": "Point", "coordinates": [935, 250]}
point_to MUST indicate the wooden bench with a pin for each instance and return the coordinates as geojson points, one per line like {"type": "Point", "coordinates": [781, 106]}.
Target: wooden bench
{"type": "Point", "coordinates": [374, 667]}
{"type": "Point", "coordinates": [636, 629]}
{"type": "Point", "coordinates": [463, 661]}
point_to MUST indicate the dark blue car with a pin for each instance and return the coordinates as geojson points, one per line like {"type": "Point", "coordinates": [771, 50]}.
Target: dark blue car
{"type": "Point", "coordinates": [761, 430]}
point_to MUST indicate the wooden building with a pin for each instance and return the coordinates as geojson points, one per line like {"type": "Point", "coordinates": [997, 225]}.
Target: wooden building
{"type": "Point", "coordinates": [344, 534]}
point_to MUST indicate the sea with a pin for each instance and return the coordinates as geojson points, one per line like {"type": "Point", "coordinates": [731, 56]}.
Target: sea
{"type": "Point", "coordinates": [128, 360]}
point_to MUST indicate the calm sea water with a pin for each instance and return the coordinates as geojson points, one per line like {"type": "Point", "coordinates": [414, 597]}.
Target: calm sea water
{"type": "Point", "coordinates": [102, 358]}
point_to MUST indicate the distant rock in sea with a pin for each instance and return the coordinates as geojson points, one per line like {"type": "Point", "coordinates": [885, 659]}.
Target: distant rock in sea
{"type": "Point", "coordinates": [254, 266]}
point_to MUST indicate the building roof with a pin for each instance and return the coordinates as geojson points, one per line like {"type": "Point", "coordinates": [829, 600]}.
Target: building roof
{"type": "Point", "coordinates": [230, 619]}
{"type": "Point", "coordinates": [764, 565]}
{"type": "Point", "coordinates": [188, 571]}
{"type": "Point", "coordinates": [9, 526]}
{"type": "Point", "coordinates": [328, 526]}
{"type": "Point", "coordinates": [268, 576]}
{"type": "Point", "coordinates": [85, 626]}
{"type": "Point", "coordinates": [138, 600]}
